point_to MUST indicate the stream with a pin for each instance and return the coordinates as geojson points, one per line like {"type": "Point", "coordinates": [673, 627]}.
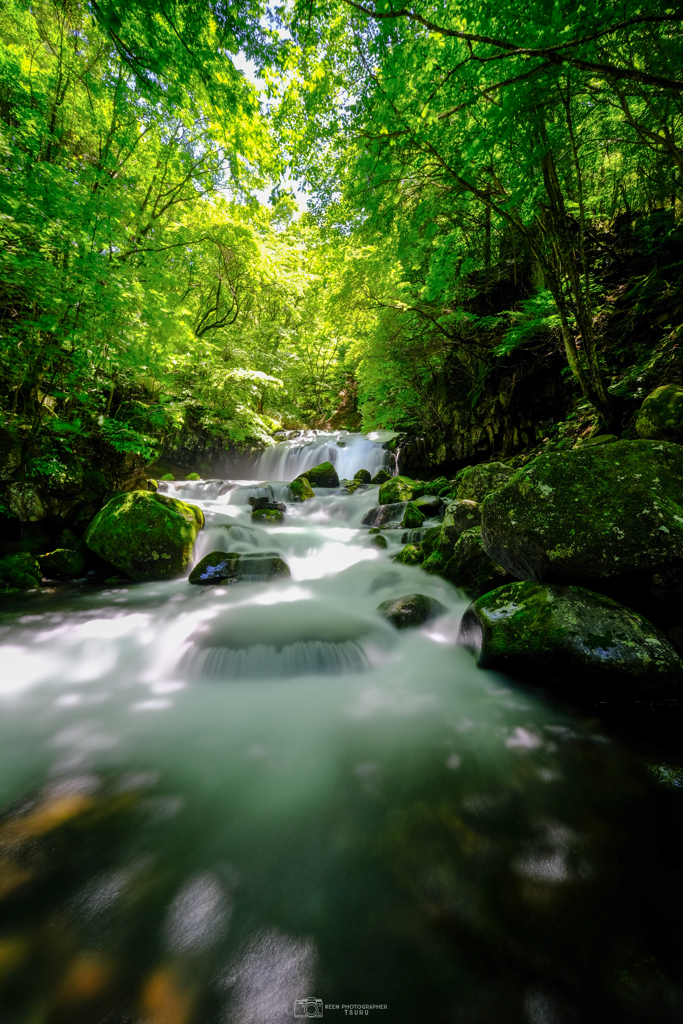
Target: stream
{"type": "Point", "coordinates": [324, 817]}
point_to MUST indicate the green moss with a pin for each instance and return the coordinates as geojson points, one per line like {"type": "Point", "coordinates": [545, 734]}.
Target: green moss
{"type": "Point", "coordinates": [301, 489]}
{"type": "Point", "coordinates": [19, 572]}
{"type": "Point", "coordinates": [379, 541]}
{"type": "Point", "coordinates": [399, 488]}
{"type": "Point", "coordinates": [193, 476]}
{"type": "Point", "coordinates": [661, 414]}
{"type": "Point", "coordinates": [381, 477]}
{"type": "Point", "coordinates": [267, 515]}
{"type": "Point", "coordinates": [411, 554]}
{"type": "Point", "coordinates": [363, 476]}
{"type": "Point", "coordinates": [324, 475]}
{"type": "Point", "coordinates": [412, 517]}
{"type": "Point", "coordinates": [475, 482]}
{"type": "Point", "coordinates": [62, 563]}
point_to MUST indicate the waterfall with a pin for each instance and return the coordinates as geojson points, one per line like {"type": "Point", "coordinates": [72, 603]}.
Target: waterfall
{"type": "Point", "coordinates": [347, 452]}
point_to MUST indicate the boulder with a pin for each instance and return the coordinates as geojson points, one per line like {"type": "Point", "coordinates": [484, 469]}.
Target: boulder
{"type": "Point", "coordinates": [585, 644]}
{"type": "Point", "coordinates": [324, 475]}
{"type": "Point", "coordinates": [429, 505]}
{"type": "Point", "coordinates": [19, 572]}
{"type": "Point", "coordinates": [148, 536]}
{"type": "Point", "coordinates": [459, 516]}
{"type": "Point", "coordinates": [661, 415]}
{"type": "Point", "coordinates": [411, 554]}
{"type": "Point", "coordinates": [602, 514]}
{"type": "Point", "coordinates": [475, 482]}
{"type": "Point", "coordinates": [385, 515]}
{"type": "Point", "coordinates": [363, 476]}
{"type": "Point", "coordinates": [193, 476]}
{"type": "Point", "coordinates": [229, 567]}
{"type": "Point", "coordinates": [470, 568]}
{"type": "Point", "coordinates": [259, 503]}
{"type": "Point", "coordinates": [267, 515]}
{"type": "Point", "coordinates": [62, 563]}
{"type": "Point", "coordinates": [379, 541]}
{"type": "Point", "coordinates": [399, 488]}
{"type": "Point", "coordinates": [410, 611]}
{"type": "Point", "coordinates": [381, 477]}
{"type": "Point", "coordinates": [412, 517]}
{"type": "Point", "coordinates": [301, 489]}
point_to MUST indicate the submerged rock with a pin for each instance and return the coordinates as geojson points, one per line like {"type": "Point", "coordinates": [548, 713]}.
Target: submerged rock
{"type": "Point", "coordinates": [475, 482]}
{"type": "Point", "coordinates": [381, 477]}
{"type": "Point", "coordinates": [301, 489]}
{"type": "Point", "coordinates": [410, 611]}
{"type": "Point", "coordinates": [231, 567]}
{"type": "Point", "coordinates": [62, 563]}
{"type": "Point", "coordinates": [147, 536]}
{"type": "Point", "coordinates": [385, 515]}
{"type": "Point", "coordinates": [593, 515]}
{"type": "Point", "coordinates": [363, 476]}
{"type": "Point", "coordinates": [267, 515]}
{"type": "Point", "coordinates": [584, 643]}
{"type": "Point", "coordinates": [324, 475]}
{"type": "Point", "coordinates": [19, 572]}
{"type": "Point", "coordinates": [399, 488]}
{"type": "Point", "coordinates": [661, 414]}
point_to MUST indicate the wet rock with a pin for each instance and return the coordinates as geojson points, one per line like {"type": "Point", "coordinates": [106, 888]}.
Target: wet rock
{"type": "Point", "coordinates": [412, 517]}
{"type": "Point", "coordinates": [565, 636]}
{"type": "Point", "coordinates": [429, 505]}
{"type": "Point", "coordinates": [470, 568]}
{"type": "Point", "coordinates": [379, 541]}
{"type": "Point", "coordinates": [147, 536]}
{"type": "Point", "coordinates": [259, 503]}
{"type": "Point", "coordinates": [385, 515]}
{"type": "Point", "coordinates": [351, 486]}
{"type": "Point", "coordinates": [19, 572]}
{"type": "Point", "coordinates": [193, 476]}
{"type": "Point", "coordinates": [399, 488]}
{"type": "Point", "coordinates": [475, 482]}
{"type": "Point", "coordinates": [301, 489]}
{"type": "Point", "coordinates": [381, 477]}
{"type": "Point", "coordinates": [410, 611]}
{"type": "Point", "coordinates": [595, 515]}
{"type": "Point", "coordinates": [324, 475]}
{"type": "Point", "coordinates": [230, 567]}
{"type": "Point", "coordinates": [661, 415]}
{"type": "Point", "coordinates": [62, 563]}
{"type": "Point", "coordinates": [153, 486]}
{"type": "Point", "coordinates": [363, 476]}
{"type": "Point", "coordinates": [267, 515]}
{"type": "Point", "coordinates": [460, 515]}
{"type": "Point", "coordinates": [411, 554]}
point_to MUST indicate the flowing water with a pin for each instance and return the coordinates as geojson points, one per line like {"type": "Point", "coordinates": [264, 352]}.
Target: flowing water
{"type": "Point", "coordinates": [321, 816]}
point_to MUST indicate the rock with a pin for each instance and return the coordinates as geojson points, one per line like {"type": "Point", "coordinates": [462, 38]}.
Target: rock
{"type": "Point", "coordinates": [475, 482]}
{"type": "Point", "coordinates": [586, 644]}
{"type": "Point", "coordinates": [230, 567]}
{"type": "Point", "coordinates": [68, 539]}
{"type": "Point", "coordinates": [259, 503]}
{"type": "Point", "coordinates": [267, 515]}
{"type": "Point", "coordinates": [412, 610]}
{"type": "Point", "coordinates": [412, 517]}
{"type": "Point", "coordinates": [436, 486]}
{"type": "Point", "coordinates": [147, 536]}
{"type": "Point", "coordinates": [19, 572]}
{"type": "Point", "coordinates": [399, 488]}
{"type": "Point", "coordinates": [661, 415]}
{"type": "Point", "coordinates": [411, 554]}
{"type": "Point", "coordinates": [412, 536]}
{"type": "Point", "coordinates": [429, 505]}
{"type": "Point", "coordinates": [193, 476]}
{"type": "Point", "coordinates": [301, 489]}
{"type": "Point", "coordinates": [324, 475]}
{"type": "Point", "coordinates": [590, 442]}
{"type": "Point", "coordinates": [385, 515]}
{"type": "Point", "coordinates": [362, 476]}
{"type": "Point", "coordinates": [470, 568]}
{"type": "Point", "coordinates": [381, 477]}
{"type": "Point", "coordinates": [153, 486]}
{"type": "Point", "coordinates": [379, 541]}
{"type": "Point", "coordinates": [459, 516]}
{"type": "Point", "coordinates": [351, 486]}
{"type": "Point", "coordinates": [62, 563]}
{"type": "Point", "coordinates": [594, 515]}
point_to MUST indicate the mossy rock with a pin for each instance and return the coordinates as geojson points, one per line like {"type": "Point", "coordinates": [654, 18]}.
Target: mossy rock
{"type": "Point", "coordinates": [412, 517]}
{"type": "Point", "coordinates": [475, 482]}
{"type": "Point", "coordinates": [62, 563]}
{"type": "Point", "coordinates": [19, 572]}
{"type": "Point", "coordinates": [193, 476]}
{"type": "Point", "coordinates": [411, 611]}
{"type": "Point", "coordinates": [460, 515]}
{"type": "Point", "coordinates": [430, 539]}
{"type": "Point", "coordinates": [436, 563]}
{"type": "Point", "coordinates": [381, 477]}
{"type": "Point", "coordinates": [599, 514]}
{"type": "Point", "coordinates": [385, 515]}
{"type": "Point", "coordinates": [411, 554]}
{"type": "Point", "coordinates": [147, 536]}
{"type": "Point", "coordinates": [301, 489]}
{"type": "Point", "coordinates": [399, 488]}
{"type": "Point", "coordinates": [580, 642]}
{"type": "Point", "coordinates": [167, 476]}
{"type": "Point", "coordinates": [324, 475]}
{"type": "Point", "coordinates": [152, 486]}
{"type": "Point", "coordinates": [661, 415]}
{"type": "Point", "coordinates": [267, 515]}
{"type": "Point", "coordinates": [436, 486]}
{"type": "Point", "coordinates": [430, 505]}
{"type": "Point", "coordinates": [379, 541]}
{"type": "Point", "coordinates": [229, 567]}
{"type": "Point", "coordinates": [470, 568]}
{"type": "Point", "coordinates": [363, 476]}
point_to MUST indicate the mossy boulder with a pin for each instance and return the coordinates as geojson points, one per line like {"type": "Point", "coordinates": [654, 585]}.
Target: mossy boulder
{"type": "Point", "coordinates": [379, 541]}
{"type": "Point", "coordinates": [430, 505]}
{"type": "Point", "coordinates": [229, 567]}
{"type": "Point", "coordinates": [381, 477]}
{"type": "Point", "coordinates": [363, 476]}
{"type": "Point", "coordinates": [264, 516]}
{"type": "Point", "coordinates": [19, 572]}
{"type": "Point", "coordinates": [411, 611]}
{"type": "Point", "coordinates": [62, 563]}
{"type": "Point", "coordinates": [412, 517]}
{"type": "Point", "coordinates": [661, 415]}
{"type": "Point", "coordinates": [193, 476]}
{"type": "Point", "coordinates": [411, 554]}
{"type": "Point", "coordinates": [460, 515]}
{"type": "Point", "coordinates": [594, 515]}
{"type": "Point", "coordinates": [385, 515]}
{"type": "Point", "coordinates": [148, 536]}
{"type": "Point", "coordinates": [301, 489]}
{"type": "Point", "coordinates": [475, 482]}
{"type": "Point", "coordinates": [399, 488]}
{"type": "Point", "coordinates": [571, 638]}
{"type": "Point", "coordinates": [470, 568]}
{"type": "Point", "coordinates": [324, 475]}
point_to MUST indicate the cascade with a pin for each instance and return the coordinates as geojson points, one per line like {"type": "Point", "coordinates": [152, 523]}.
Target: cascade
{"type": "Point", "coordinates": [347, 452]}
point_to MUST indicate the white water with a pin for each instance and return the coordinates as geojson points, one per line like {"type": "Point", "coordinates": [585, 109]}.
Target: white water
{"type": "Point", "coordinates": [347, 452]}
{"type": "Point", "coordinates": [314, 804]}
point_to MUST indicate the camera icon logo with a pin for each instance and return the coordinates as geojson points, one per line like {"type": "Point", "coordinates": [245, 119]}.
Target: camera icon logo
{"type": "Point", "coordinates": [308, 1007]}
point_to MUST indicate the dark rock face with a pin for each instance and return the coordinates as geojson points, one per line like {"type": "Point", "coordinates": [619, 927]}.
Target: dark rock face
{"type": "Point", "coordinates": [62, 563]}
{"type": "Point", "coordinates": [594, 515]}
{"type": "Point", "coordinates": [19, 572]}
{"type": "Point", "coordinates": [380, 477]}
{"type": "Point", "coordinates": [259, 503]}
{"type": "Point", "coordinates": [324, 475]}
{"type": "Point", "coordinates": [385, 515]}
{"type": "Point", "coordinates": [363, 476]}
{"type": "Point", "coordinates": [410, 611]}
{"type": "Point", "coordinates": [582, 643]}
{"type": "Point", "coordinates": [661, 414]}
{"type": "Point", "coordinates": [470, 568]}
{"type": "Point", "coordinates": [229, 567]}
{"type": "Point", "coordinates": [475, 482]}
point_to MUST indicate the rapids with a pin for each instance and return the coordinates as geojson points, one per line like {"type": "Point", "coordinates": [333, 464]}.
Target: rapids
{"type": "Point", "coordinates": [240, 805]}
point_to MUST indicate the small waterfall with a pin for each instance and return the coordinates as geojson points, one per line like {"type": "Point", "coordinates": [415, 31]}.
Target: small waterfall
{"type": "Point", "coordinates": [347, 452]}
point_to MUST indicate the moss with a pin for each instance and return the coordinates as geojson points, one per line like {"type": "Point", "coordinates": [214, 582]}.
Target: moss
{"type": "Point", "coordinates": [193, 476]}
{"type": "Point", "coordinates": [381, 477]}
{"type": "Point", "coordinates": [411, 554]}
{"type": "Point", "coordinates": [661, 414]}
{"type": "Point", "coordinates": [379, 541]}
{"type": "Point", "coordinates": [412, 517]}
{"type": "Point", "coordinates": [475, 482]}
{"type": "Point", "coordinates": [470, 568]}
{"type": "Point", "coordinates": [19, 572]}
{"type": "Point", "coordinates": [436, 563]}
{"type": "Point", "coordinates": [148, 536]}
{"type": "Point", "coordinates": [363, 476]}
{"type": "Point", "coordinates": [167, 476]}
{"type": "Point", "coordinates": [399, 488]}
{"type": "Point", "coordinates": [267, 515]}
{"type": "Point", "coordinates": [431, 539]}
{"type": "Point", "coordinates": [324, 475]}
{"type": "Point", "coordinates": [301, 489]}
{"type": "Point", "coordinates": [62, 563]}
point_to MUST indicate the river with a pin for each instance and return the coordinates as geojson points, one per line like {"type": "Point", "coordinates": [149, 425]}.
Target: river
{"type": "Point", "coordinates": [333, 818]}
